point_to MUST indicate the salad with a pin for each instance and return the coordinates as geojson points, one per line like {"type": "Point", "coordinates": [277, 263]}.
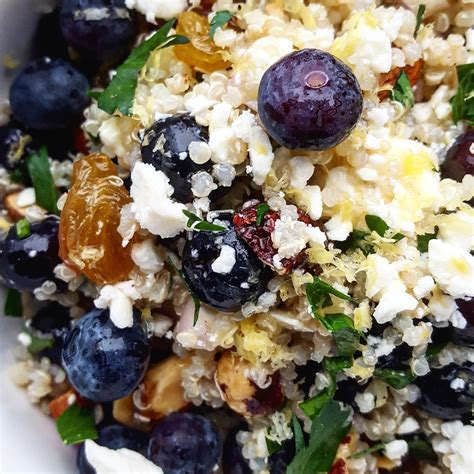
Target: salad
{"type": "Point", "coordinates": [240, 234]}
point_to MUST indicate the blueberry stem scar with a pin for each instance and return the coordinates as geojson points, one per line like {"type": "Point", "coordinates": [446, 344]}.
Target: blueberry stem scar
{"type": "Point", "coordinates": [316, 79]}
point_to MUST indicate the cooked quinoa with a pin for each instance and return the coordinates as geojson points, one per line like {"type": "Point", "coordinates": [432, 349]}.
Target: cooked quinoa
{"type": "Point", "coordinates": [397, 295]}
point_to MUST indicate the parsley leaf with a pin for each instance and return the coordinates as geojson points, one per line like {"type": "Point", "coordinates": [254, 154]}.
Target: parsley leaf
{"type": "Point", "coordinates": [318, 293]}
{"type": "Point", "coordinates": [331, 365]}
{"type": "Point", "coordinates": [327, 431]}
{"type": "Point", "coordinates": [364, 452]}
{"type": "Point", "coordinates": [219, 20]}
{"type": "Point", "coordinates": [463, 101]}
{"type": "Point", "coordinates": [76, 424]}
{"type": "Point", "coordinates": [272, 446]}
{"type": "Point", "coordinates": [377, 224]}
{"type": "Point", "coordinates": [37, 344]}
{"type": "Point", "coordinates": [13, 305]}
{"type": "Point", "coordinates": [422, 241]}
{"type": "Point", "coordinates": [343, 331]}
{"type": "Point", "coordinates": [94, 94]}
{"type": "Point", "coordinates": [262, 209]}
{"type": "Point", "coordinates": [419, 18]}
{"type": "Point", "coordinates": [40, 173]}
{"type": "Point", "coordinates": [402, 91]}
{"type": "Point", "coordinates": [16, 176]}
{"type": "Point", "coordinates": [22, 228]}
{"type": "Point", "coordinates": [356, 240]}
{"type": "Point", "coordinates": [196, 223]}
{"type": "Point", "coordinates": [421, 449]}
{"type": "Point", "coordinates": [196, 301]}
{"type": "Point", "coordinates": [298, 434]}
{"type": "Point", "coordinates": [397, 379]}
{"type": "Point", "coordinates": [120, 93]}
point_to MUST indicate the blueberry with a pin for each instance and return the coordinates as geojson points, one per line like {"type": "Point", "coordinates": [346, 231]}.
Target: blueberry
{"type": "Point", "coordinates": [460, 157]}
{"type": "Point", "coordinates": [165, 146]}
{"type": "Point", "coordinates": [98, 29]}
{"type": "Point", "coordinates": [184, 443]}
{"type": "Point", "coordinates": [49, 94]}
{"type": "Point", "coordinates": [309, 100]}
{"type": "Point", "coordinates": [114, 437]}
{"type": "Point", "coordinates": [237, 283]}
{"type": "Point", "coordinates": [15, 145]}
{"type": "Point", "coordinates": [346, 391]}
{"type": "Point", "coordinates": [465, 336]}
{"type": "Point", "coordinates": [25, 264]}
{"type": "Point", "coordinates": [52, 320]}
{"type": "Point", "coordinates": [102, 361]}
{"type": "Point", "coordinates": [398, 359]}
{"type": "Point", "coordinates": [448, 392]}
{"type": "Point", "coordinates": [233, 461]}
{"type": "Point", "coordinates": [279, 461]}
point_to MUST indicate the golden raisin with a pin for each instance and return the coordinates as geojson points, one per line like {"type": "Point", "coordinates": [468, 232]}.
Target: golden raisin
{"type": "Point", "coordinates": [89, 240]}
{"type": "Point", "coordinates": [413, 73]}
{"type": "Point", "coordinates": [201, 52]}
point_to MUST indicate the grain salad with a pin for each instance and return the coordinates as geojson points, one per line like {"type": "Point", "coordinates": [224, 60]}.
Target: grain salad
{"type": "Point", "coordinates": [240, 234]}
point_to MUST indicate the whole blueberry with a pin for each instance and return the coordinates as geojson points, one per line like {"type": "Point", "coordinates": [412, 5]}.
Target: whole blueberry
{"type": "Point", "coordinates": [220, 268]}
{"type": "Point", "coordinates": [48, 39]}
{"type": "Point", "coordinates": [114, 437]}
{"type": "Point", "coordinates": [233, 461]}
{"type": "Point", "coordinates": [49, 94]}
{"type": "Point", "coordinates": [165, 146]}
{"type": "Point", "coordinates": [309, 100]}
{"type": "Point", "coordinates": [448, 392]}
{"type": "Point", "coordinates": [465, 336]}
{"type": "Point", "coordinates": [460, 157]}
{"type": "Point", "coordinates": [103, 362]}
{"type": "Point", "coordinates": [52, 321]}
{"type": "Point", "coordinates": [26, 263]}
{"type": "Point", "coordinates": [98, 29]}
{"type": "Point", "coordinates": [346, 391]}
{"type": "Point", "coordinates": [184, 443]}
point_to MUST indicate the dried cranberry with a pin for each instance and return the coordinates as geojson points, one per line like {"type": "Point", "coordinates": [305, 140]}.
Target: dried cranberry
{"type": "Point", "coordinates": [258, 237]}
{"type": "Point", "coordinates": [266, 400]}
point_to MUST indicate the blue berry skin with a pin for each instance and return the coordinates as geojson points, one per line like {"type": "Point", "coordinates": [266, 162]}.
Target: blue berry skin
{"type": "Point", "coordinates": [49, 94]}
{"type": "Point", "coordinates": [439, 399]}
{"type": "Point", "coordinates": [48, 39]}
{"type": "Point", "coordinates": [25, 264]}
{"type": "Point", "coordinates": [114, 437]}
{"type": "Point", "coordinates": [184, 443]}
{"type": "Point", "coordinates": [102, 361]}
{"type": "Point", "coordinates": [459, 158]}
{"type": "Point", "coordinates": [465, 336]}
{"type": "Point", "coordinates": [178, 132]}
{"type": "Point", "coordinates": [96, 35]}
{"type": "Point", "coordinates": [52, 320]}
{"type": "Point", "coordinates": [309, 100]}
{"type": "Point", "coordinates": [225, 292]}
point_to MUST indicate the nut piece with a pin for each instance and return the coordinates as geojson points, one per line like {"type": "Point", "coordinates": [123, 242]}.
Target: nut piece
{"type": "Point", "coordinates": [123, 411]}
{"type": "Point", "coordinates": [162, 391]}
{"type": "Point", "coordinates": [14, 210]}
{"type": "Point", "coordinates": [240, 393]}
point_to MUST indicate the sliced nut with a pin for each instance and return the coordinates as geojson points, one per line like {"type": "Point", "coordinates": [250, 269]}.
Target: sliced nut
{"type": "Point", "coordinates": [60, 404]}
{"type": "Point", "coordinates": [162, 391]}
{"type": "Point", "coordinates": [240, 393]}
{"type": "Point", "coordinates": [14, 210]}
{"type": "Point", "coordinates": [123, 411]}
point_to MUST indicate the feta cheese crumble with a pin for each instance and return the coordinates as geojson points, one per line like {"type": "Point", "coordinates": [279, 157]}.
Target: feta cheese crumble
{"type": "Point", "coordinates": [225, 262]}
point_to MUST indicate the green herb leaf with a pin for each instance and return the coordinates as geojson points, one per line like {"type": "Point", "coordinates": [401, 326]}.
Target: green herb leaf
{"type": "Point", "coordinates": [331, 365]}
{"type": "Point", "coordinates": [318, 293]}
{"type": "Point", "coordinates": [298, 434]}
{"type": "Point", "coordinates": [272, 446]}
{"type": "Point", "coordinates": [356, 240]}
{"type": "Point", "coordinates": [196, 301]}
{"type": "Point", "coordinates": [397, 379]}
{"type": "Point", "coordinates": [377, 224]}
{"type": "Point", "coordinates": [76, 424]}
{"type": "Point", "coordinates": [419, 18]}
{"type": "Point", "coordinates": [220, 19]}
{"type": "Point", "coordinates": [337, 321]}
{"type": "Point", "coordinates": [196, 223]}
{"type": "Point", "coordinates": [40, 173]}
{"type": "Point", "coordinates": [37, 344]}
{"type": "Point", "coordinates": [94, 94]}
{"type": "Point", "coordinates": [422, 241]}
{"type": "Point", "coordinates": [364, 452]}
{"type": "Point", "coordinates": [13, 305]}
{"type": "Point", "coordinates": [16, 176]}
{"type": "Point", "coordinates": [402, 91]}
{"type": "Point", "coordinates": [345, 335]}
{"type": "Point", "coordinates": [120, 92]}
{"type": "Point", "coordinates": [421, 449]}
{"type": "Point", "coordinates": [262, 209]}
{"type": "Point", "coordinates": [22, 228]}
{"type": "Point", "coordinates": [327, 431]}
{"type": "Point", "coordinates": [463, 101]}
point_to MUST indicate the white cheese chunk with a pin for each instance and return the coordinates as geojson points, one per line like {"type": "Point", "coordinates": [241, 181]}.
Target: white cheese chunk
{"type": "Point", "coordinates": [146, 256]}
{"type": "Point", "coordinates": [225, 261]}
{"type": "Point", "coordinates": [153, 9]}
{"type": "Point", "coordinates": [152, 205]}
{"type": "Point", "coordinates": [301, 169]}
{"type": "Point", "coordinates": [111, 461]}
